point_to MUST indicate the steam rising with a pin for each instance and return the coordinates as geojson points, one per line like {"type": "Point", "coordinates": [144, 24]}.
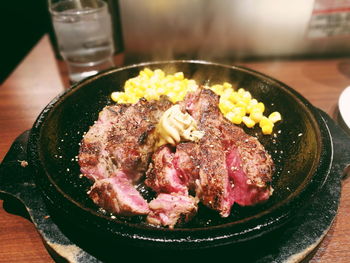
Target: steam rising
{"type": "Point", "coordinates": [219, 30]}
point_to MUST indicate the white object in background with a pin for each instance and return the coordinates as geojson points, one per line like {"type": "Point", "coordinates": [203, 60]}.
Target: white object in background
{"type": "Point", "coordinates": [344, 106]}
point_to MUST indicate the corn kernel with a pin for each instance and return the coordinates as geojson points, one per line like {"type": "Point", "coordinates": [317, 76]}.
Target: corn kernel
{"type": "Point", "coordinates": [148, 72]}
{"type": "Point", "coordinates": [179, 75]}
{"type": "Point", "coordinates": [241, 103]}
{"type": "Point", "coordinates": [258, 107]}
{"type": "Point", "coordinates": [236, 119]}
{"type": "Point", "coordinates": [234, 97]}
{"type": "Point", "coordinates": [144, 75]}
{"type": "Point", "coordinates": [229, 115]}
{"type": "Point", "coordinates": [227, 85]}
{"type": "Point", "coordinates": [267, 129]}
{"type": "Point", "coordinates": [250, 105]}
{"type": "Point", "coordinates": [241, 91]}
{"type": "Point", "coordinates": [239, 111]}
{"type": "Point", "coordinates": [226, 94]}
{"type": "Point", "coordinates": [217, 89]}
{"type": "Point", "coordinates": [116, 96]}
{"type": "Point", "coordinates": [265, 122]}
{"type": "Point", "coordinates": [159, 73]}
{"type": "Point", "coordinates": [247, 96]}
{"type": "Point", "coordinates": [174, 98]}
{"type": "Point", "coordinates": [225, 106]}
{"type": "Point", "coordinates": [256, 116]}
{"type": "Point", "coordinates": [275, 117]}
{"type": "Point", "coordinates": [151, 94]}
{"type": "Point", "coordinates": [248, 122]}
{"type": "Point", "coordinates": [131, 99]}
{"type": "Point", "coordinates": [177, 86]}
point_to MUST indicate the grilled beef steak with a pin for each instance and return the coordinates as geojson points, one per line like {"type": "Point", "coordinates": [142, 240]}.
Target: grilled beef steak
{"type": "Point", "coordinates": [172, 175]}
{"type": "Point", "coordinates": [234, 166]}
{"type": "Point", "coordinates": [121, 139]}
{"type": "Point", "coordinates": [186, 162]}
{"type": "Point", "coordinates": [172, 209]}
{"type": "Point", "coordinates": [174, 172]}
{"type": "Point", "coordinates": [162, 175]}
{"type": "Point", "coordinates": [117, 195]}
{"type": "Point", "coordinates": [224, 167]}
{"type": "Point", "coordinates": [94, 160]}
{"type": "Point", "coordinates": [116, 151]}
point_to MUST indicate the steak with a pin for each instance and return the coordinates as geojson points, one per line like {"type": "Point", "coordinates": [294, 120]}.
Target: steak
{"type": "Point", "coordinates": [187, 163]}
{"type": "Point", "coordinates": [249, 166]}
{"type": "Point", "coordinates": [132, 138]}
{"type": "Point", "coordinates": [118, 195]}
{"type": "Point", "coordinates": [172, 175]}
{"type": "Point", "coordinates": [162, 175]}
{"type": "Point", "coordinates": [94, 160]}
{"type": "Point", "coordinates": [122, 139]}
{"type": "Point", "coordinates": [172, 209]}
{"type": "Point", "coordinates": [224, 167]}
{"type": "Point", "coordinates": [174, 172]}
{"type": "Point", "coordinates": [234, 167]}
{"type": "Point", "coordinates": [116, 151]}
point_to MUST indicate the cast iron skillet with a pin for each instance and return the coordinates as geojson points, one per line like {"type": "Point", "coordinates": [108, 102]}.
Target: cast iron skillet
{"type": "Point", "coordinates": [301, 149]}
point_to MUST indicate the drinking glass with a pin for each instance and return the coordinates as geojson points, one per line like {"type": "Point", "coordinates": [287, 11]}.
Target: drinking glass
{"type": "Point", "coordinates": [83, 29]}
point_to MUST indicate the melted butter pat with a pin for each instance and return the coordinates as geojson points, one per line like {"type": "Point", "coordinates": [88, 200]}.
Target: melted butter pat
{"type": "Point", "coordinates": [175, 126]}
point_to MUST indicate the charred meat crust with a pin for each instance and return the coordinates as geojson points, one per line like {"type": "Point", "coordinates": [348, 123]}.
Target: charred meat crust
{"type": "Point", "coordinates": [172, 209]}
{"type": "Point", "coordinates": [116, 151]}
{"type": "Point", "coordinates": [224, 167]}
{"type": "Point", "coordinates": [219, 187]}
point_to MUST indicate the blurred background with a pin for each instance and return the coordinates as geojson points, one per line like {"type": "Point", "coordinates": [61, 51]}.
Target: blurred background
{"type": "Point", "coordinates": [218, 30]}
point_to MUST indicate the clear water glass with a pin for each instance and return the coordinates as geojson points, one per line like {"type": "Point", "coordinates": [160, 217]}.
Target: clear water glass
{"type": "Point", "coordinates": [83, 29]}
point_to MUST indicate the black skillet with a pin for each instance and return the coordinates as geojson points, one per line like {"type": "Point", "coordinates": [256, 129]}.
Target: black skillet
{"type": "Point", "coordinates": [300, 146]}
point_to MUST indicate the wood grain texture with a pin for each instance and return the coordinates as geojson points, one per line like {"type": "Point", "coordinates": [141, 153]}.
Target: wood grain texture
{"type": "Point", "coordinates": [37, 80]}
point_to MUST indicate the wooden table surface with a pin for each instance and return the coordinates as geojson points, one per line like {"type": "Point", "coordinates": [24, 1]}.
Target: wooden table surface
{"type": "Point", "coordinates": [37, 80]}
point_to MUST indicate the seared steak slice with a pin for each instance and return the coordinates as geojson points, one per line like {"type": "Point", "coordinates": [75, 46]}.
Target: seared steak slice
{"type": "Point", "coordinates": [215, 186]}
{"type": "Point", "coordinates": [246, 191]}
{"type": "Point", "coordinates": [116, 151]}
{"type": "Point", "coordinates": [117, 195]}
{"type": "Point", "coordinates": [171, 172]}
{"type": "Point", "coordinates": [172, 209]}
{"type": "Point", "coordinates": [94, 160]}
{"type": "Point", "coordinates": [131, 139]}
{"type": "Point", "coordinates": [186, 162]}
{"type": "Point", "coordinates": [121, 139]}
{"type": "Point", "coordinates": [249, 166]}
{"type": "Point", "coordinates": [162, 175]}
{"type": "Point", "coordinates": [234, 166]}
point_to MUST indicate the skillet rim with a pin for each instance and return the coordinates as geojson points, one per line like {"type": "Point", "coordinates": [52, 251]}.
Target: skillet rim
{"type": "Point", "coordinates": [215, 234]}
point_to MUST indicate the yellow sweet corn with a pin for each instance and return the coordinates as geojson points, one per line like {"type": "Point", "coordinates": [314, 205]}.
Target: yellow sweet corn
{"type": "Point", "coordinates": [227, 85]}
{"type": "Point", "coordinates": [234, 97]}
{"type": "Point", "coordinates": [236, 119]}
{"type": "Point", "coordinates": [256, 116]}
{"type": "Point", "coordinates": [217, 89]}
{"type": "Point", "coordinates": [250, 105]}
{"type": "Point", "coordinates": [241, 103]}
{"type": "Point", "coordinates": [179, 75]}
{"type": "Point", "coordinates": [151, 84]}
{"type": "Point", "coordinates": [225, 106]}
{"type": "Point", "coordinates": [265, 122]}
{"type": "Point", "coordinates": [238, 106]}
{"type": "Point", "coordinates": [267, 129]}
{"type": "Point", "coordinates": [275, 117]}
{"type": "Point", "coordinates": [258, 107]}
{"type": "Point", "coordinates": [248, 121]}
{"type": "Point", "coordinates": [241, 111]}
